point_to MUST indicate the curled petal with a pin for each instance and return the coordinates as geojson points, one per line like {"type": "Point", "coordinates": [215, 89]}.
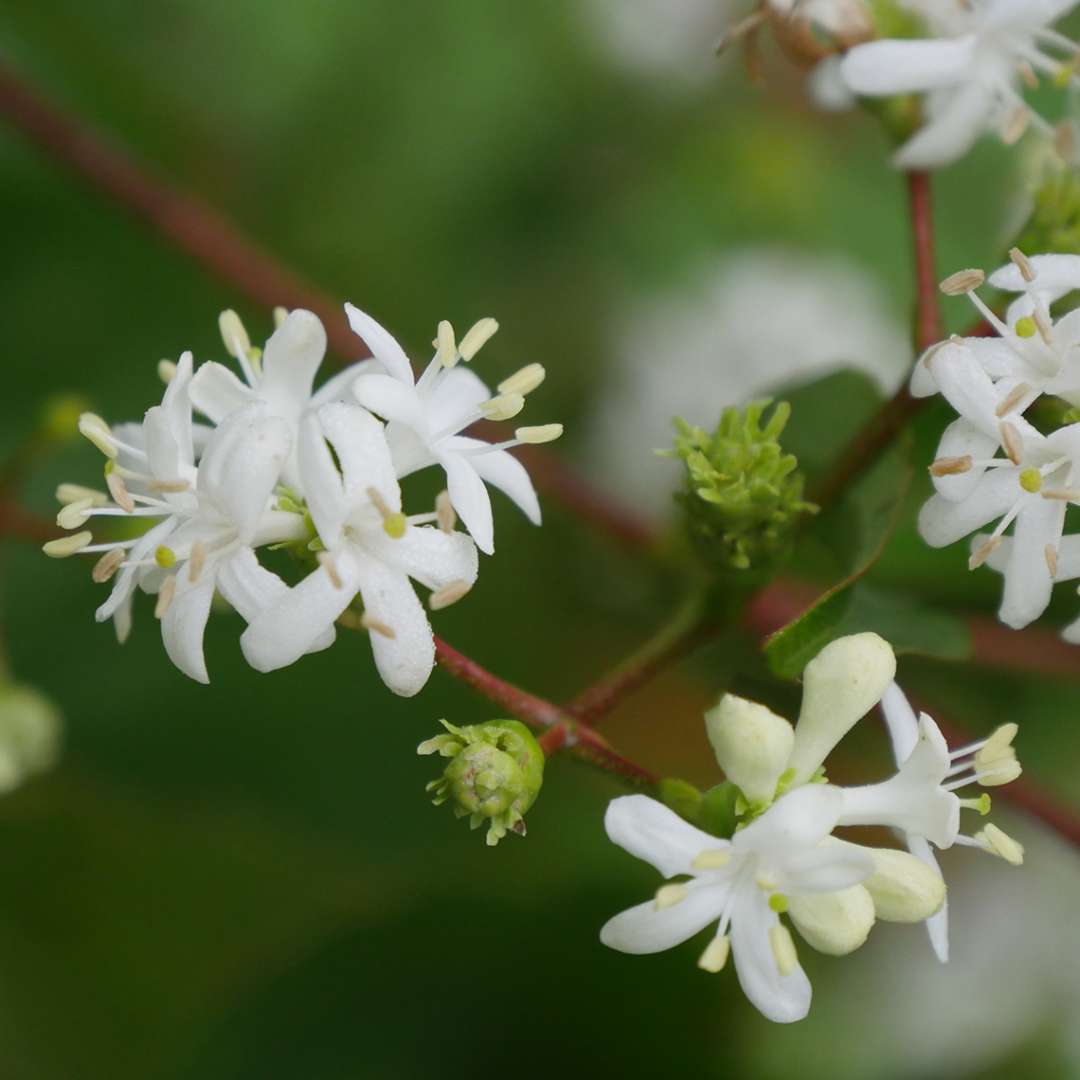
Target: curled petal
{"type": "Point", "coordinates": [651, 831]}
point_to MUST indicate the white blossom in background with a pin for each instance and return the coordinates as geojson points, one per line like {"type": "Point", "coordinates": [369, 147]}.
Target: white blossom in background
{"type": "Point", "coordinates": [753, 321]}
{"type": "Point", "coordinates": [972, 75]}
{"type": "Point", "coordinates": [782, 858]}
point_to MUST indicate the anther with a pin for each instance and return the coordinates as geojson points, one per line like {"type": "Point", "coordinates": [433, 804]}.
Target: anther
{"type": "Point", "coordinates": [783, 949]}
{"type": "Point", "coordinates": [444, 512]}
{"type": "Point", "coordinates": [449, 594]}
{"type": "Point", "coordinates": [75, 515]}
{"type": "Point", "coordinates": [446, 351]}
{"type": "Point", "coordinates": [165, 596]}
{"type": "Point", "coordinates": [280, 315]}
{"type": "Point", "coordinates": [173, 487]}
{"type": "Point", "coordinates": [166, 370]}
{"type": "Point", "coordinates": [1012, 399]}
{"type": "Point", "coordinates": [233, 334]}
{"type": "Point", "coordinates": [107, 565]}
{"type": "Point", "coordinates": [1051, 554]}
{"type": "Point", "coordinates": [951, 466]}
{"type": "Point", "coordinates": [999, 843]}
{"type": "Point", "coordinates": [1011, 442]}
{"type": "Point", "coordinates": [524, 381]}
{"type": "Point", "coordinates": [377, 626]}
{"type": "Point", "coordinates": [963, 281]}
{"type": "Point", "coordinates": [1016, 123]}
{"type": "Point", "coordinates": [92, 427]}
{"type": "Point", "coordinates": [477, 336]}
{"type": "Point", "coordinates": [503, 407]}
{"type": "Point", "coordinates": [1061, 494]}
{"type": "Point", "coordinates": [1027, 74]}
{"type": "Point", "coordinates": [983, 552]}
{"type": "Point", "coordinates": [196, 561]}
{"type": "Point", "coordinates": [1023, 264]}
{"type": "Point", "coordinates": [118, 490]}
{"type": "Point", "coordinates": [69, 493]}
{"type": "Point", "coordinates": [715, 955]}
{"type": "Point", "coordinates": [327, 562]}
{"type": "Point", "coordinates": [711, 860]}
{"type": "Point", "coordinates": [542, 433]}
{"type": "Point", "coordinates": [67, 545]}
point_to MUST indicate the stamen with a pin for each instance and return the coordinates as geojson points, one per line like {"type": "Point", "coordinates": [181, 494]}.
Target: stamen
{"type": "Point", "coordinates": [741, 29]}
{"type": "Point", "coordinates": [394, 522]}
{"type": "Point", "coordinates": [1011, 442]}
{"type": "Point", "coordinates": [92, 427]}
{"type": "Point", "coordinates": [233, 334]}
{"type": "Point", "coordinates": [67, 545]}
{"type": "Point", "coordinates": [1043, 325]}
{"type": "Point", "coordinates": [999, 843]}
{"type": "Point", "coordinates": [783, 949]}
{"type": "Point", "coordinates": [477, 336]}
{"type": "Point", "coordinates": [107, 565]}
{"type": "Point", "coordinates": [983, 552]}
{"type": "Point", "coordinates": [449, 594]}
{"type": "Point", "coordinates": [280, 315]}
{"type": "Point", "coordinates": [69, 493]}
{"type": "Point", "coordinates": [1016, 123]}
{"type": "Point", "coordinates": [951, 466]}
{"type": "Point", "coordinates": [715, 955]}
{"type": "Point", "coordinates": [118, 490]}
{"type": "Point", "coordinates": [962, 282]}
{"type": "Point", "coordinates": [169, 486]}
{"type": "Point", "coordinates": [1027, 74]}
{"type": "Point", "coordinates": [503, 407]}
{"type": "Point", "coordinates": [1064, 140]}
{"type": "Point", "coordinates": [196, 561]}
{"type": "Point", "coordinates": [165, 597]}
{"type": "Point", "coordinates": [524, 381]}
{"type": "Point", "coordinates": [1051, 554]}
{"type": "Point", "coordinates": [75, 515]}
{"type": "Point", "coordinates": [446, 352]}
{"type": "Point", "coordinates": [711, 860]}
{"type": "Point", "coordinates": [981, 805]}
{"type": "Point", "coordinates": [444, 512]}
{"type": "Point", "coordinates": [670, 895]}
{"type": "Point", "coordinates": [1015, 396]}
{"type": "Point", "coordinates": [327, 562]}
{"type": "Point", "coordinates": [1023, 264]}
{"type": "Point", "coordinates": [534, 436]}
{"type": "Point", "coordinates": [166, 370]}
{"type": "Point", "coordinates": [376, 626]}
{"type": "Point", "coordinates": [1063, 494]}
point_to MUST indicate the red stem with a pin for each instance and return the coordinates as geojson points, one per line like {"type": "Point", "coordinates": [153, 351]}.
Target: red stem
{"type": "Point", "coordinates": [928, 325]}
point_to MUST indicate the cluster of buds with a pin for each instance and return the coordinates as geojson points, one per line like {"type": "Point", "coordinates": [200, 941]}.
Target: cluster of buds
{"type": "Point", "coordinates": [777, 855]}
{"type": "Point", "coordinates": [494, 774]}
{"type": "Point", "coordinates": [743, 494]}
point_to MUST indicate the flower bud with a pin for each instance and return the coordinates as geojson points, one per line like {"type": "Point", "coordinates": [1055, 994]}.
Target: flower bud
{"type": "Point", "coordinates": [834, 923]}
{"type": "Point", "coordinates": [1053, 226]}
{"type": "Point", "coordinates": [752, 745]}
{"type": "Point", "coordinates": [494, 774]}
{"type": "Point", "coordinates": [30, 732]}
{"type": "Point", "coordinates": [904, 889]}
{"type": "Point", "coordinates": [743, 494]}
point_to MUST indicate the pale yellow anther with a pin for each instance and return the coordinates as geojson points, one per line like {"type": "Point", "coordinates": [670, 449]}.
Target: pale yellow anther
{"type": "Point", "coordinates": [166, 487]}
{"type": "Point", "coordinates": [477, 336]}
{"type": "Point", "coordinates": [983, 552]}
{"type": "Point", "coordinates": [1015, 124]}
{"type": "Point", "coordinates": [670, 895]}
{"type": "Point", "coordinates": [107, 565]}
{"type": "Point", "coordinates": [280, 315]}
{"type": "Point", "coordinates": [999, 739]}
{"type": "Point", "coordinates": [1064, 141]}
{"type": "Point", "coordinates": [449, 594]}
{"type": "Point", "coordinates": [69, 493]}
{"type": "Point", "coordinates": [444, 512]}
{"type": "Point", "coordinates": [1011, 442]}
{"type": "Point", "coordinates": [715, 955]}
{"type": "Point", "coordinates": [446, 350]}
{"type": "Point", "coordinates": [1027, 74]}
{"type": "Point", "coordinates": [711, 860]}
{"type": "Point", "coordinates": [1004, 771]}
{"type": "Point", "coordinates": [951, 466]}
{"type": "Point", "coordinates": [377, 626]}
{"type": "Point", "coordinates": [166, 370]}
{"type": "Point", "coordinates": [118, 490]}
{"type": "Point", "coordinates": [1051, 554]}
{"type": "Point", "coordinates": [92, 427]}
{"type": "Point", "coordinates": [196, 561]}
{"type": "Point", "coordinates": [503, 407]}
{"type": "Point", "coordinates": [783, 949]}
{"type": "Point", "coordinates": [165, 596]}
{"type": "Point", "coordinates": [1042, 324]}
{"type": "Point", "coordinates": [1023, 264]}
{"type": "Point", "coordinates": [75, 515]}
{"type": "Point", "coordinates": [326, 561]}
{"type": "Point", "coordinates": [542, 433]}
{"type": "Point", "coordinates": [1001, 844]}
{"type": "Point", "coordinates": [524, 381]}
{"type": "Point", "coordinates": [1012, 399]}
{"type": "Point", "coordinates": [67, 545]}
{"type": "Point", "coordinates": [1061, 494]}
{"type": "Point", "coordinates": [233, 334]}
{"type": "Point", "coordinates": [963, 281]}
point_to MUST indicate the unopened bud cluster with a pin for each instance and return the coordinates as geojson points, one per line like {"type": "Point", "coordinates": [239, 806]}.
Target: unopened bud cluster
{"type": "Point", "coordinates": [494, 774]}
{"type": "Point", "coordinates": [743, 494]}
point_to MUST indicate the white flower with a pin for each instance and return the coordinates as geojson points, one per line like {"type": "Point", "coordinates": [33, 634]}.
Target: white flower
{"type": "Point", "coordinates": [1028, 489]}
{"type": "Point", "coordinates": [990, 762]}
{"type": "Point", "coordinates": [742, 884]}
{"type": "Point", "coordinates": [972, 77]}
{"type": "Point", "coordinates": [371, 549]}
{"type": "Point", "coordinates": [1031, 353]}
{"type": "Point", "coordinates": [283, 376]}
{"type": "Point", "coordinates": [426, 416]}
{"type": "Point", "coordinates": [209, 518]}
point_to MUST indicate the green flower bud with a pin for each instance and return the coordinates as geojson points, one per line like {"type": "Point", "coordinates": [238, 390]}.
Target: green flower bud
{"type": "Point", "coordinates": [494, 774]}
{"type": "Point", "coordinates": [743, 494]}
{"type": "Point", "coordinates": [30, 733]}
{"type": "Point", "coordinates": [1053, 226]}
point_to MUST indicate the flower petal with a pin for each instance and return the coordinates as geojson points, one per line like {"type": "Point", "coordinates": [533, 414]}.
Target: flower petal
{"type": "Point", "coordinates": [381, 342]}
{"type": "Point", "coordinates": [359, 440]}
{"type": "Point", "coordinates": [323, 488]}
{"type": "Point", "coordinates": [781, 998]}
{"type": "Point", "coordinates": [406, 659]}
{"type": "Point", "coordinates": [183, 624]}
{"type": "Point", "coordinates": [797, 822]}
{"type": "Point", "coordinates": [902, 724]}
{"type": "Point", "coordinates": [501, 468]}
{"type": "Point", "coordinates": [1028, 583]}
{"type": "Point", "coordinates": [908, 67]}
{"type": "Point", "coordinates": [953, 128]}
{"type": "Point", "coordinates": [651, 831]}
{"type": "Point", "coordinates": [216, 392]}
{"type": "Point", "coordinates": [470, 498]}
{"type": "Point", "coordinates": [644, 929]}
{"type": "Point", "coordinates": [825, 869]}
{"type": "Point", "coordinates": [454, 398]}
{"type": "Point", "coordinates": [428, 555]}
{"type": "Point", "coordinates": [943, 522]}
{"type": "Point", "coordinates": [937, 926]}
{"type": "Point", "coordinates": [291, 359]}
{"type": "Point", "coordinates": [291, 626]}
{"type": "Point", "coordinates": [126, 578]}
{"type": "Point", "coordinates": [390, 398]}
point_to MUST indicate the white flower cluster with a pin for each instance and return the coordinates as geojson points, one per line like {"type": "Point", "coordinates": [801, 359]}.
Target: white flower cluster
{"type": "Point", "coordinates": [783, 858]}
{"type": "Point", "coordinates": [972, 72]}
{"type": "Point", "coordinates": [993, 465]}
{"type": "Point", "coordinates": [281, 464]}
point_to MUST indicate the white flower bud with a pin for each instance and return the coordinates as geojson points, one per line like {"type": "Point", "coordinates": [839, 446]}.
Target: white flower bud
{"type": "Point", "coordinates": [834, 923]}
{"type": "Point", "coordinates": [30, 732]}
{"type": "Point", "coordinates": [904, 889]}
{"type": "Point", "coordinates": [752, 745]}
{"type": "Point", "coordinates": [840, 685]}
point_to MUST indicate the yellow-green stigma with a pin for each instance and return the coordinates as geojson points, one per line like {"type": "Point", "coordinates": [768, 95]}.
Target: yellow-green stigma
{"type": "Point", "coordinates": [778, 902]}
{"type": "Point", "coordinates": [1025, 327]}
{"type": "Point", "coordinates": [1031, 480]}
{"type": "Point", "coordinates": [165, 557]}
{"type": "Point", "coordinates": [394, 525]}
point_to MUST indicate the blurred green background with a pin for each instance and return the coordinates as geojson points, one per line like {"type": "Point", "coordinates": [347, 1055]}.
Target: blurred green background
{"type": "Point", "coordinates": [246, 880]}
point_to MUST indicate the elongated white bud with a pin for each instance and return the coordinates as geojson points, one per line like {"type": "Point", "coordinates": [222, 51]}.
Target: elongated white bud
{"type": "Point", "coordinates": [835, 923]}
{"type": "Point", "coordinates": [752, 745]}
{"type": "Point", "coordinates": [904, 889]}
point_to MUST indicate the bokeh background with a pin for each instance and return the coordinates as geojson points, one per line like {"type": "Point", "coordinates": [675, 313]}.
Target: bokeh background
{"type": "Point", "coordinates": [246, 880]}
